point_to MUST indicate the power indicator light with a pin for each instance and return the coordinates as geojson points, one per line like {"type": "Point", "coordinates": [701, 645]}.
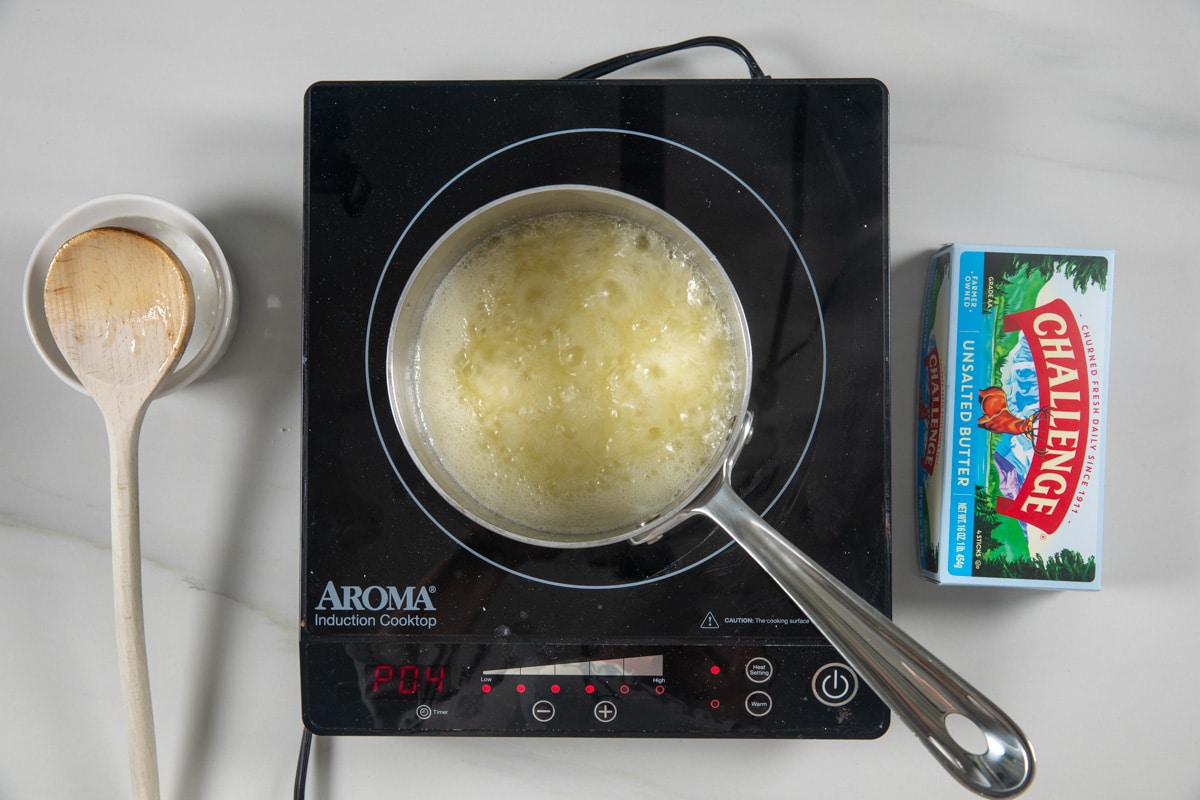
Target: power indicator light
{"type": "Point", "coordinates": [520, 688]}
{"type": "Point", "coordinates": [555, 689]}
{"type": "Point", "coordinates": [714, 669]}
{"type": "Point", "coordinates": [590, 689]}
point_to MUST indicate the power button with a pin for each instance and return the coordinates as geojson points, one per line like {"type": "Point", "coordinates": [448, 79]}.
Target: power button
{"type": "Point", "coordinates": [835, 684]}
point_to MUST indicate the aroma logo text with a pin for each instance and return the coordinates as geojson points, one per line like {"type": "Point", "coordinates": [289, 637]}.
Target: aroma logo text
{"type": "Point", "coordinates": [376, 598]}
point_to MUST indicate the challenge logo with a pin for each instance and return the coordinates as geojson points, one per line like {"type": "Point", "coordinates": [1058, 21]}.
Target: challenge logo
{"type": "Point", "coordinates": [1060, 427]}
{"type": "Point", "coordinates": [931, 412]}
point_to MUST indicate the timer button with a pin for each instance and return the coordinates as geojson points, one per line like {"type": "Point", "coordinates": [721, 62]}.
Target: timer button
{"type": "Point", "coordinates": [759, 670]}
{"type": "Point", "coordinates": [759, 703]}
{"type": "Point", "coordinates": [605, 711]}
{"type": "Point", "coordinates": [835, 684]}
{"type": "Point", "coordinates": [543, 711]}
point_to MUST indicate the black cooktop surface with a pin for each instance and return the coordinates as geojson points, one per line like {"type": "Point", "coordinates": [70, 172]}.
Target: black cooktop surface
{"type": "Point", "coordinates": [416, 620]}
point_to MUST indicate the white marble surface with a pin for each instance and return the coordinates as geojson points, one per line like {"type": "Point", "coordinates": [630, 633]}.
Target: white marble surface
{"type": "Point", "coordinates": [1072, 123]}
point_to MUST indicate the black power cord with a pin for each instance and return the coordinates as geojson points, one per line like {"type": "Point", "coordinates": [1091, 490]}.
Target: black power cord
{"type": "Point", "coordinates": [603, 68]}
{"type": "Point", "coordinates": [302, 764]}
{"type": "Point", "coordinates": [597, 70]}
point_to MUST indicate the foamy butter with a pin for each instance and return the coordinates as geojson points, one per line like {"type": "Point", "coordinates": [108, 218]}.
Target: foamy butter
{"type": "Point", "coordinates": [576, 373]}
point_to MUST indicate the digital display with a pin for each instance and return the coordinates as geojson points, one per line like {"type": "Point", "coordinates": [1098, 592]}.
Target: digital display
{"type": "Point", "coordinates": [406, 680]}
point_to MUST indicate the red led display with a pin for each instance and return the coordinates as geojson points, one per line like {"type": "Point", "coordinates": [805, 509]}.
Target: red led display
{"type": "Point", "coordinates": [407, 679]}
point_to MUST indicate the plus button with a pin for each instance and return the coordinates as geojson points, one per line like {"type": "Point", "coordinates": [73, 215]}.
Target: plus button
{"type": "Point", "coordinates": [605, 711]}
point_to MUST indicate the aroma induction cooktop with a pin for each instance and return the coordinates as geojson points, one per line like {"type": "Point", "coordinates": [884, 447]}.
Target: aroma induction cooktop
{"type": "Point", "coordinates": [414, 619]}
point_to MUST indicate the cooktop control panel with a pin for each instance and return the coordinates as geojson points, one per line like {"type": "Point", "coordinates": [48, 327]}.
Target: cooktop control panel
{"type": "Point", "coordinates": [571, 690]}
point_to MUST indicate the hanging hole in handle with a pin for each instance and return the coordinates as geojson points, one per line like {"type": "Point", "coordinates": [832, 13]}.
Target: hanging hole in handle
{"type": "Point", "coordinates": [966, 734]}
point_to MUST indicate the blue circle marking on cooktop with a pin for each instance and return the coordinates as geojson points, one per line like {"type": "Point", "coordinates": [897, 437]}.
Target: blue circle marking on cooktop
{"type": "Point", "coordinates": [461, 174]}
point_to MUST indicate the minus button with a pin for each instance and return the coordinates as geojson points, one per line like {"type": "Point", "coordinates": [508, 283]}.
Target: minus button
{"type": "Point", "coordinates": [543, 711]}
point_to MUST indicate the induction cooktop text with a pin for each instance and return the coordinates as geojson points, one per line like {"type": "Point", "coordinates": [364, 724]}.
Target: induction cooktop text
{"type": "Point", "coordinates": [376, 606]}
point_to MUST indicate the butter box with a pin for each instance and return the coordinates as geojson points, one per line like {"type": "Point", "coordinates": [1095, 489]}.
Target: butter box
{"type": "Point", "coordinates": [1011, 414]}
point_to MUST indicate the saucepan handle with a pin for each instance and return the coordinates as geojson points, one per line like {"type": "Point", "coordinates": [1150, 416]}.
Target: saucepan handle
{"type": "Point", "coordinates": [919, 688]}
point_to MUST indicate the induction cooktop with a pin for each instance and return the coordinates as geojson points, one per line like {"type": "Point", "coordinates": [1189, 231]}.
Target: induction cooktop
{"type": "Point", "coordinates": [415, 620]}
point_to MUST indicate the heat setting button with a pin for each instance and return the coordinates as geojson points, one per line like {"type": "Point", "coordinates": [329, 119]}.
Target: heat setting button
{"type": "Point", "coordinates": [835, 684]}
{"type": "Point", "coordinates": [760, 670]}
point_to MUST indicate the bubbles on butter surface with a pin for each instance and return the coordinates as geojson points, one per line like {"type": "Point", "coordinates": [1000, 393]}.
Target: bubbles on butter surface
{"type": "Point", "coordinates": [576, 373]}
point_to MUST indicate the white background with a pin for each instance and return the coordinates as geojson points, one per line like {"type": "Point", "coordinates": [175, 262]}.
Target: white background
{"type": "Point", "coordinates": [1019, 122]}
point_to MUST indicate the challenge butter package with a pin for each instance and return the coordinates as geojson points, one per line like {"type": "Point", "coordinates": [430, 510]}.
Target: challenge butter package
{"type": "Point", "coordinates": [1011, 411]}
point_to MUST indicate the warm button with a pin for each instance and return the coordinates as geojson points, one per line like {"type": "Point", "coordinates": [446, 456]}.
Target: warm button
{"type": "Point", "coordinates": [835, 684]}
{"type": "Point", "coordinates": [759, 670]}
{"type": "Point", "coordinates": [758, 704]}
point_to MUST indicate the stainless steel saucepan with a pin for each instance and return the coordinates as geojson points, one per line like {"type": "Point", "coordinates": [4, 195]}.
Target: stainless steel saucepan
{"type": "Point", "coordinates": [922, 691]}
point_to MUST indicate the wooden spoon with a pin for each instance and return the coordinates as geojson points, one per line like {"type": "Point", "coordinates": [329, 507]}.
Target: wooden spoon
{"type": "Point", "coordinates": [120, 308]}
